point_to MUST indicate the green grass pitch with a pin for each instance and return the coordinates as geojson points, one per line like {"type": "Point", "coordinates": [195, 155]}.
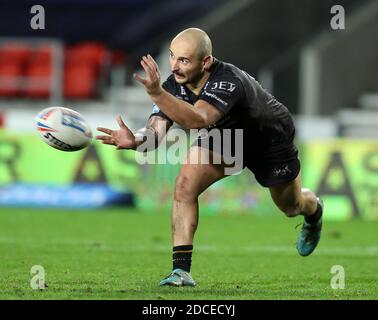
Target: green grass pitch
{"type": "Point", "coordinates": [123, 253]}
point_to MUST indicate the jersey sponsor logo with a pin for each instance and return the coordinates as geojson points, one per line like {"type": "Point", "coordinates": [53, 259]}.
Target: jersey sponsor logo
{"type": "Point", "coordinates": [155, 109]}
{"type": "Point", "coordinates": [212, 95]}
{"type": "Point", "coordinates": [223, 85]}
{"type": "Point", "coordinates": [185, 98]}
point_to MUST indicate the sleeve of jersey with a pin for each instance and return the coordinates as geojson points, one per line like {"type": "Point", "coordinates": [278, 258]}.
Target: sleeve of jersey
{"type": "Point", "coordinates": [155, 109]}
{"type": "Point", "coordinates": [223, 94]}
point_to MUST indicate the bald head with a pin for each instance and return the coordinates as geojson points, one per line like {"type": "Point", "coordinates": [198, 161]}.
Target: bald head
{"type": "Point", "coordinates": [191, 57]}
{"type": "Point", "coordinates": [196, 40]}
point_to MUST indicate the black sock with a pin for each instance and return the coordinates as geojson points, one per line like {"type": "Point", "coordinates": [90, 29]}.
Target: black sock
{"type": "Point", "coordinates": [182, 257]}
{"type": "Point", "coordinates": [316, 216]}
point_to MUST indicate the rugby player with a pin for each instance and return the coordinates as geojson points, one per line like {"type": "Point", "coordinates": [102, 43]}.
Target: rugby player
{"type": "Point", "coordinates": [204, 92]}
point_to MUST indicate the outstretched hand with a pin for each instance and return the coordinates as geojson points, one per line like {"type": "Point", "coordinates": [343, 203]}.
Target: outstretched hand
{"type": "Point", "coordinates": [152, 80]}
{"type": "Point", "coordinates": [122, 138]}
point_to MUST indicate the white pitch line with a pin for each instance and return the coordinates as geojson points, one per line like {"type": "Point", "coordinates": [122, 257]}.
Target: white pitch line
{"type": "Point", "coordinates": [124, 247]}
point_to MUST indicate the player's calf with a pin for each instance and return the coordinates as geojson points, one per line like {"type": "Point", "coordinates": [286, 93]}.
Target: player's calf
{"type": "Point", "coordinates": [292, 210]}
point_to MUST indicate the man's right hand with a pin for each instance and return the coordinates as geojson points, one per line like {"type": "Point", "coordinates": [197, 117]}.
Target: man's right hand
{"type": "Point", "coordinates": [122, 138]}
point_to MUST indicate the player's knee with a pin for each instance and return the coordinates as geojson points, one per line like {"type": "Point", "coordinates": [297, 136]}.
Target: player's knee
{"type": "Point", "coordinates": [291, 210]}
{"type": "Point", "coordinates": [184, 191]}
{"type": "Point", "coordinates": [307, 193]}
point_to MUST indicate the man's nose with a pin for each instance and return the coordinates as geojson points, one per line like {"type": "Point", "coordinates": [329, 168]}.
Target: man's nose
{"type": "Point", "coordinates": [174, 65]}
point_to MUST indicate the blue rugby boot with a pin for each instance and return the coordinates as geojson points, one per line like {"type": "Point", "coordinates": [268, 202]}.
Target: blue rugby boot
{"type": "Point", "coordinates": [178, 278]}
{"type": "Point", "coordinates": [310, 234]}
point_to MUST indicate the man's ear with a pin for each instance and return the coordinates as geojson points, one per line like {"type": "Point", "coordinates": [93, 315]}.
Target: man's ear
{"type": "Point", "coordinates": [207, 62]}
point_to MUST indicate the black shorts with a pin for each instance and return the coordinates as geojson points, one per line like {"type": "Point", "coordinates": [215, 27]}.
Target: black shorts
{"type": "Point", "coordinates": [275, 167]}
{"type": "Point", "coordinates": [272, 164]}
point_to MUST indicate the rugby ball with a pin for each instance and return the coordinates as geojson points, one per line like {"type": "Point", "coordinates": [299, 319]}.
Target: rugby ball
{"type": "Point", "coordinates": [63, 129]}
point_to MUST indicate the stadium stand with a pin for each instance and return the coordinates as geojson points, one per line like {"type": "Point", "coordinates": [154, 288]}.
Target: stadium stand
{"type": "Point", "coordinates": [26, 69]}
{"type": "Point", "coordinates": [85, 63]}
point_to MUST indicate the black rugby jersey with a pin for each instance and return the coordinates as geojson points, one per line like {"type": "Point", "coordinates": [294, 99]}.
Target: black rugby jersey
{"type": "Point", "coordinates": [245, 104]}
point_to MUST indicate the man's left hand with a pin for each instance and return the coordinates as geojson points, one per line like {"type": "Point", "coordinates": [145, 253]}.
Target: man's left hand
{"type": "Point", "coordinates": [152, 80]}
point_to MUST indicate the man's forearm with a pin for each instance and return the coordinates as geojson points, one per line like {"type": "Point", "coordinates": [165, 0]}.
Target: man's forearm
{"type": "Point", "coordinates": [147, 136]}
{"type": "Point", "coordinates": [150, 137]}
{"type": "Point", "coordinates": [178, 110]}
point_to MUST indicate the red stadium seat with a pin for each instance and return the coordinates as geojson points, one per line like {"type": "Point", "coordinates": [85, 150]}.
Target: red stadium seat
{"type": "Point", "coordinates": [42, 54]}
{"type": "Point", "coordinates": [82, 68]}
{"type": "Point", "coordinates": [39, 72]}
{"type": "Point", "coordinates": [27, 70]}
{"type": "Point", "coordinates": [87, 52]}
{"type": "Point", "coordinates": [14, 52]}
{"type": "Point", "coordinates": [79, 81]}
{"type": "Point", "coordinates": [38, 80]}
{"type": "Point", "coordinates": [10, 74]}
{"type": "Point", "coordinates": [93, 54]}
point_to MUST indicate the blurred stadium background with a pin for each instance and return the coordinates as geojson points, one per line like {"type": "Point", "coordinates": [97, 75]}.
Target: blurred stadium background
{"type": "Point", "coordinates": [85, 58]}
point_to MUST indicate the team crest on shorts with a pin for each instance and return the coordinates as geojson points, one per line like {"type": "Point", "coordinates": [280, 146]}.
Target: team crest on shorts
{"type": "Point", "coordinates": [283, 171]}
